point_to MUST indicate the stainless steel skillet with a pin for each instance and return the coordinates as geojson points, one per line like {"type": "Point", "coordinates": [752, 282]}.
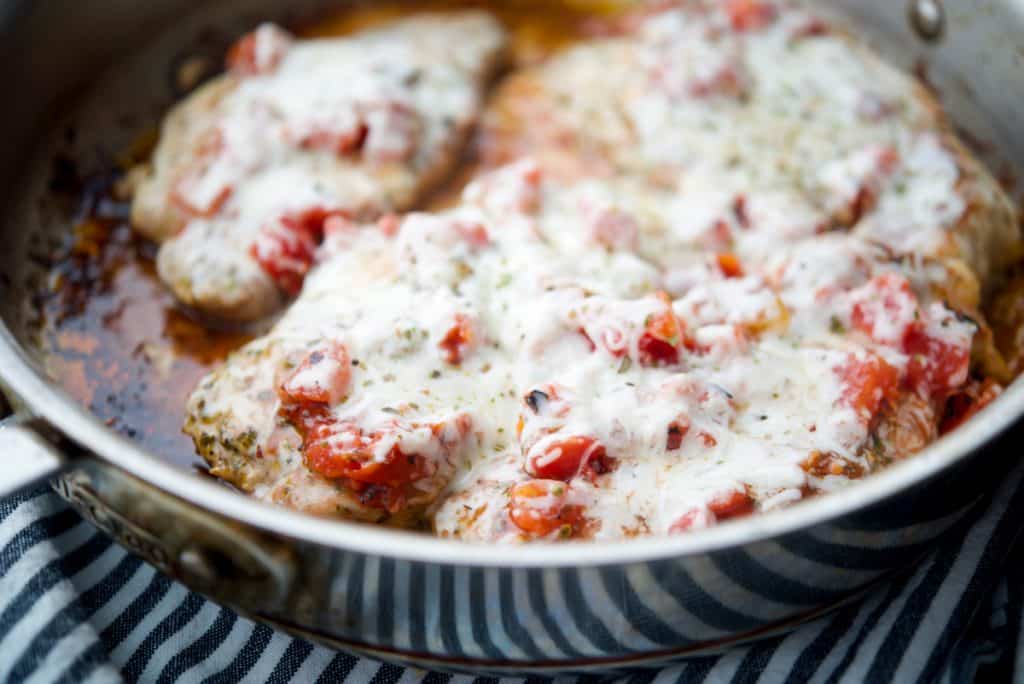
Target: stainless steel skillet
{"type": "Point", "coordinates": [412, 598]}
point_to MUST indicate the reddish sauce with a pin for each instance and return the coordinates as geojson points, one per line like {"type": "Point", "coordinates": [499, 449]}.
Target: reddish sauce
{"type": "Point", "coordinates": [117, 342]}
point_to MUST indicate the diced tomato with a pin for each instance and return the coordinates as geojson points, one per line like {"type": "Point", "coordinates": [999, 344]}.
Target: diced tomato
{"type": "Point", "coordinates": [259, 52]}
{"type": "Point", "coordinates": [734, 504]}
{"type": "Point", "coordinates": [936, 341]}
{"type": "Point", "coordinates": [935, 365]}
{"type": "Point", "coordinates": [707, 439]}
{"type": "Point", "coordinates": [349, 453]}
{"type": "Point", "coordinates": [968, 402]}
{"type": "Point", "coordinates": [655, 351]}
{"type": "Point", "coordinates": [868, 381]}
{"type": "Point", "coordinates": [551, 452]}
{"type": "Point", "coordinates": [565, 458]}
{"type": "Point", "coordinates": [322, 378]}
{"type": "Point", "coordinates": [389, 224]}
{"type": "Point", "coordinates": [663, 336]}
{"type": "Point", "coordinates": [474, 234]}
{"type": "Point", "coordinates": [343, 451]}
{"type": "Point", "coordinates": [885, 308]}
{"type": "Point", "coordinates": [615, 229]}
{"type": "Point", "coordinates": [459, 339]}
{"type": "Point", "coordinates": [750, 15]}
{"type": "Point", "coordinates": [286, 256]}
{"type": "Point", "coordinates": [677, 430]}
{"type": "Point", "coordinates": [812, 28]}
{"type": "Point", "coordinates": [285, 248]}
{"type": "Point", "coordinates": [542, 507]}
{"type": "Point", "coordinates": [729, 264]}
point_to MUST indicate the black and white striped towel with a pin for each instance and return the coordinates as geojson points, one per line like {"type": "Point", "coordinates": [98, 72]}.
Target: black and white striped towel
{"type": "Point", "coordinates": [75, 607]}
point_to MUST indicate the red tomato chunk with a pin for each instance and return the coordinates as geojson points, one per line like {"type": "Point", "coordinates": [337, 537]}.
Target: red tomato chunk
{"type": "Point", "coordinates": [677, 430]}
{"type": "Point", "coordinates": [885, 308]}
{"type": "Point", "coordinates": [663, 336]}
{"type": "Point", "coordinates": [541, 507]}
{"type": "Point", "coordinates": [259, 52]}
{"type": "Point", "coordinates": [730, 265]}
{"type": "Point", "coordinates": [750, 15]}
{"type": "Point", "coordinates": [459, 339]}
{"type": "Point", "coordinates": [725, 506]}
{"type": "Point", "coordinates": [734, 504]}
{"type": "Point", "coordinates": [936, 366]}
{"type": "Point", "coordinates": [868, 381]}
{"type": "Point", "coordinates": [936, 340]}
{"type": "Point", "coordinates": [286, 247]}
{"type": "Point", "coordinates": [322, 378]}
{"type": "Point", "coordinates": [565, 458]}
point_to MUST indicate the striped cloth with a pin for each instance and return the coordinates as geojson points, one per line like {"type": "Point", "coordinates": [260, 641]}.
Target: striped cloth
{"type": "Point", "coordinates": [75, 607]}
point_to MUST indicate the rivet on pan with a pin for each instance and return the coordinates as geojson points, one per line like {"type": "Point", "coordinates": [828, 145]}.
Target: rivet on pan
{"type": "Point", "coordinates": [928, 19]}
{"type": "Point", "coordinates": [197, 567]}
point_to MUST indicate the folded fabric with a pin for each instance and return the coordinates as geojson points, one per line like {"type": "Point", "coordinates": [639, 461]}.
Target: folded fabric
{"type": "Point", "coordinates": [75, 607]}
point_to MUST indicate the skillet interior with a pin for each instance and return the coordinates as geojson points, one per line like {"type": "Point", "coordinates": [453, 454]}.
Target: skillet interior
{"type": "Point", "coordinates": [140, 88]}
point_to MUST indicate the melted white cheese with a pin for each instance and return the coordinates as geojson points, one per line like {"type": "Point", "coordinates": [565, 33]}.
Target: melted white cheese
{"type": "Point", "coordinates": [557, 282]}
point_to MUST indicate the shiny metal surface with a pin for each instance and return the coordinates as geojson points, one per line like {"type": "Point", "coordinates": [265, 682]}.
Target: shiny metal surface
{"type": "Point", "coordinates": [928, 18]}
{"type": "Point", "coordinates": [412, 598]}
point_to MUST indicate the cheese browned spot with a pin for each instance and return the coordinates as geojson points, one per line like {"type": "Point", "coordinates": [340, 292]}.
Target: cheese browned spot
{"type": "Point", "coordinates": [736, 281]}
{"type": "Point", "coordinates": [250, 167]}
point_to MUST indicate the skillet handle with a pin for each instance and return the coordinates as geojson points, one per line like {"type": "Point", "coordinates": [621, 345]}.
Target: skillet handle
{"type": "Point", "coordinates": [26, 457]}
{"type": "Point", "coordinates": [214, 555]}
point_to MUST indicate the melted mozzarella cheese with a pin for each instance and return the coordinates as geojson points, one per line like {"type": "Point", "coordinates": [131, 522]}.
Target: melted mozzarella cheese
{"type": "Point", "coordinates": [804, 160]}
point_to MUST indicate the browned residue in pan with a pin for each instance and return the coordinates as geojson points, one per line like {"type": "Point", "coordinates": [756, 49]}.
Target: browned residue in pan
{"type": "Point", "coordinates": [117, 342]}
